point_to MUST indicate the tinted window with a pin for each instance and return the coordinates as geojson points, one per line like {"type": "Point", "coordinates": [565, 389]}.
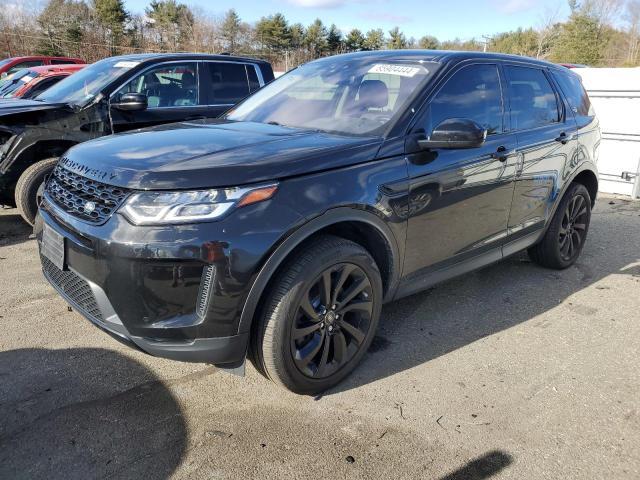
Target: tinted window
{"type": "Point", "coordinates": [474, 93]}
{"type": "Point", "coordinates": [574, 91]}
{"type": "Point", "coordinates": [227, 82]}
{"type": "Point", "coordinates": [533, 101]}
{"type": "Point", "coordinates": [61, 62]}
{"type": "Point", "coordinates": [168, 85]}
{"type": "Point", "coordinates": [254, 83]}
{"type": "Point", "coordinates": [19, 66]}
{"type": "Point", "coordinates": [42, 86]}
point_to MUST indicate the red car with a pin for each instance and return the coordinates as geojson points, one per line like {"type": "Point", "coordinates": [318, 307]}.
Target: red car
{"type": "Point", "coordinates": [10, 65]}
{"type": "Point", "coordinates": [29, 82]}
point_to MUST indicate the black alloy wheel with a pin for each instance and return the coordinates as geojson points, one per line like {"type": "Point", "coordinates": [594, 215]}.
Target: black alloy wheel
{"type": "Point", "coordinates": [319, 316]}
{"type": "Point", "coordinates": [332, 321]}
{"type": "Point", "coordinates": [573, 229]}
{"type": "Point", "coordinates": [566, 234]}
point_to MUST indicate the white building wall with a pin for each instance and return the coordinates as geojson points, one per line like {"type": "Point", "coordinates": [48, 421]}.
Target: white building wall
{"type": "Point", "coordinates": [615, 94]}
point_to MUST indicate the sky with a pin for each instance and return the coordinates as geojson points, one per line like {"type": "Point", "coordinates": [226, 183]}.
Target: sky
{"type": "Point", "coordinates": [445, 20]}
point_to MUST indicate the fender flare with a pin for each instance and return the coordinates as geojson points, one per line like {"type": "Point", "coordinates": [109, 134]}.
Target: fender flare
{"type": "Point", "coordinates": [584, 166]}
{"type": "Point", "coordinates": [281, 253]}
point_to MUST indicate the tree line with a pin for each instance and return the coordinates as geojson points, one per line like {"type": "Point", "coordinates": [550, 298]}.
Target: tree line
{"type": "Point", "coordinates": [597, 33]}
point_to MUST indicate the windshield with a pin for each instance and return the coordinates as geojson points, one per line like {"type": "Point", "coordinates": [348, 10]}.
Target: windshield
{"type": "Point", "coordinates": [12, 83]}
{"type": "Point", "coordinates": [354, 96]}
{"type": "Point", "coordinates": [6, 61]}
{"type": "Point", "coordinates": [82, 87]}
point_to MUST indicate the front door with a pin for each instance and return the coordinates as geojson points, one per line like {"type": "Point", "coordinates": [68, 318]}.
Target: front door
{"type": "Point", "coordinates": [460, 199]}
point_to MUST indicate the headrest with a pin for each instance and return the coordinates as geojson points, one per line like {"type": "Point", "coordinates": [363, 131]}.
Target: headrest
{"type": "Point", "coordinates": [188, 78]}
{"type": "Point", "coordinates": [373, 94]}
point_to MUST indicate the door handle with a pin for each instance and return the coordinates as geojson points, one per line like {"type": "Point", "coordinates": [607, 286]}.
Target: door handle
{"type": "Point", "coordinates": [501, 154]}
{"type": "Point", "coordinates": [562, 138]}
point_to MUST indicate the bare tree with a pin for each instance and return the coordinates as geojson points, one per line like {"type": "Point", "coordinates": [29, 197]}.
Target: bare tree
{"type": "Point", "coordinates": [547, 30]}
{"type": "Point", "coordinates": [633, 32]}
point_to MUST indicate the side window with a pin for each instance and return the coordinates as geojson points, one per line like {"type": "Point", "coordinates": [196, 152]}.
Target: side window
{"type": "Point", "coordinates": [227, 82]}
{"type": "Point", "coordinates": [254, 83]}
{"type": "Point", "coordinates": [168, 85]}
{"type": "Point", "coordinates": [533, 101]}
{"type": "Point", "coordinates": [42, 86]}
{"type": "Point", "coordinates": [60, 62]}
{"type": "Point", "coordinates": [473, 92]}
{"type": "Point", "coordinates": [20, 66]}
{"type": "Point", "coordinates": [575, 92]}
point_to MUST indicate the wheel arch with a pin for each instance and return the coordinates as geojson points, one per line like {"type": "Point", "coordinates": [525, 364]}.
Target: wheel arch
{"type": "Point", "coordinates": [360, 226]}
{"type": "Point", "coordinates": [589, 179]}
{"type": "Point", "coordinates": [39, 151]}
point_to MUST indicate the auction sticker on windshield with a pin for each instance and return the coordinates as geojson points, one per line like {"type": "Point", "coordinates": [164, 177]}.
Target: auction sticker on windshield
{"type": "Point", "coordinates": [389, 69]}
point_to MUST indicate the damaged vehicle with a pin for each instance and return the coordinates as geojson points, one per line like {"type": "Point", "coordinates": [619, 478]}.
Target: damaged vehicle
{"type": "Point", "coordinates": [278, 231]}
{"type": "Point", "coordinates": [111, 96]}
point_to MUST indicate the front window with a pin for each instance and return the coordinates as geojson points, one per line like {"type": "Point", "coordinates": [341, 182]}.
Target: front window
{"type": "Point", "coordinates": [354, 96]}
{"type": "Point", "coordinates": [82, 87]}
{"type": "Point", "coordinates": [473, 92]}
{"type": "Point", "coordinates": [168, 85]}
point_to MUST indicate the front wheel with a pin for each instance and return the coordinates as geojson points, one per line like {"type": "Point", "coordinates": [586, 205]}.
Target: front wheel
{"type": "Point", "coordinates": [28, 185]}
{"type": "Point", "coordinates": [320, 316]}
{"type": "Point", "coordinates": [563, 242]}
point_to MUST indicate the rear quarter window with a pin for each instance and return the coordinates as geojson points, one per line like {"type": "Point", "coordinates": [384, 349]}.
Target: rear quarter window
{"type": "Point", "coordinates": [576, 95]}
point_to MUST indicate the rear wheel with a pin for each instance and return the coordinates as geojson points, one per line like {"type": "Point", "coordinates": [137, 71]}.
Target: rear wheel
{"type": "Point", "coordinates": [320, 316]}
{"type": "Point", "coordinates": [563, 242]}
{"type": "Point", "coordinates": [28, 185]}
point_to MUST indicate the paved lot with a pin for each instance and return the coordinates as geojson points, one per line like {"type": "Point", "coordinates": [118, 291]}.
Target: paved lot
{"type": "Point", "coordinates": [511, 372]}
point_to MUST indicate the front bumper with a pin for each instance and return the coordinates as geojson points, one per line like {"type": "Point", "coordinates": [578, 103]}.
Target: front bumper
{"type": "Point", "coordinates": [91, 301]}
{"type": "Point", "coordinates": [169, 291]}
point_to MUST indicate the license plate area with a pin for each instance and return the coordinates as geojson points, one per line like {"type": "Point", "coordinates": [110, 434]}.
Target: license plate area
{"type": "Point", "coordinates": [53, 246]}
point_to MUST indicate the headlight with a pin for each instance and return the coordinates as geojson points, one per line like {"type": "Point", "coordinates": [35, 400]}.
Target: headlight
{"type": "Point", "coordinates": [154, 208]}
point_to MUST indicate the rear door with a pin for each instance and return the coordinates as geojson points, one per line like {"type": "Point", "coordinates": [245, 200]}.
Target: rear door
{"type": "Point", "coordinates": [547, 144]}
{"type": "Point", "coordinates": [173, 95]}
{"type": "Point", "coordinates": [460, 198]}
{"type": "Point", "coordinates": [226, 83]}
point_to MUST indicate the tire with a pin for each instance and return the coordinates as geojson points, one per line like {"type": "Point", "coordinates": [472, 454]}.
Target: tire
{"type": "Point", "coordinates": [27, 188]}
{"type": "Point", "coordinates": [291, 329]}
{"type": "Point", "coordinates": [567, 233]}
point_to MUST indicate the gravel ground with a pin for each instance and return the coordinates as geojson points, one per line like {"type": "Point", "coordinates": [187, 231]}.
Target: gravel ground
{"type": "Point", "coordinates": [510, 372]}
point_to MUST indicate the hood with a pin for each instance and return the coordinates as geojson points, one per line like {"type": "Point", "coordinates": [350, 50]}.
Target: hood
{"type": "Point", "coordinates": [9, 106]}
{"type": "Point", "coordinates": [214, 153]}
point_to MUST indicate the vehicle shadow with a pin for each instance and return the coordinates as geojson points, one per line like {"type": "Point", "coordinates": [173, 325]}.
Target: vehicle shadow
{"type": "Point", "coordinates": [482, 467]}
{"type": "Point", "coordinates": [70, 414]}
{"type": "Point", "coordinates": [13, 229]}
{"type": "Point", "coordinates": [454, 314]}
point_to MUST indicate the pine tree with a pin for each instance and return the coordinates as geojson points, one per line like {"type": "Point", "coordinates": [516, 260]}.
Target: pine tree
{"type": "Point", "coordinates": [374, 40]}
{"type": "Point", "coordinates": [315, 38]}
{"type": "Point", "coordinates": [354, 40]}
{"type": "Point", "coordinates": [231, 29]}
{"type": "Point", "coordinates": [397, 39]}
{"type": "Point", "coordinates": [334, 39]}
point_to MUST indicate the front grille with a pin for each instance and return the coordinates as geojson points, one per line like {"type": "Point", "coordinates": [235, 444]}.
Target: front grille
{"type": "Point", "coordinates": [74, 193]}
{"type": "Point", "coordinates": [74, 287]}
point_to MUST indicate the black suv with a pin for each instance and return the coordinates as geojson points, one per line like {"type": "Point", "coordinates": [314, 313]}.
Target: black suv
{"type": "Point", "coordinates": [279, 230]}
{"type": "Point", "coordinates": [113, 95]}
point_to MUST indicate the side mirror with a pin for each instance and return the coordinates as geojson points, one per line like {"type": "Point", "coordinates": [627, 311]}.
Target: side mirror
{"type": "Point", "coordinates": [131, 102]}
{"type": "Point", "coordinates": [455, 133]}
